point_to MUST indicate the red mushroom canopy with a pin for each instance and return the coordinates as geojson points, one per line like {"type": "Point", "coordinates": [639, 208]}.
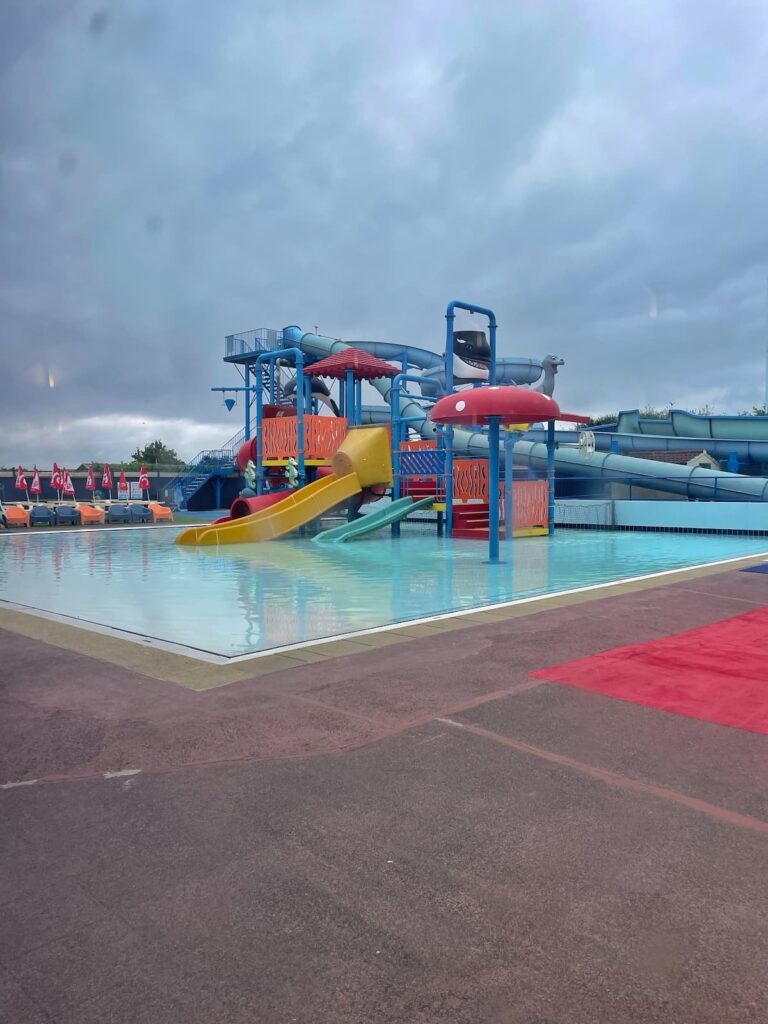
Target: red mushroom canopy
{"type": "Point", "coordinates": [510, 404]}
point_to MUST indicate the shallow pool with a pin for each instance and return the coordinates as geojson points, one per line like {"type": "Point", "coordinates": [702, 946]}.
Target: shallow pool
{"type": "Point", "coordinates": [244, 599]}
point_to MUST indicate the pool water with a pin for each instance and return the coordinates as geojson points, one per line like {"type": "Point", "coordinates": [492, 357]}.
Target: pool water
{"type": "Point", "coordinates": [248, 598]}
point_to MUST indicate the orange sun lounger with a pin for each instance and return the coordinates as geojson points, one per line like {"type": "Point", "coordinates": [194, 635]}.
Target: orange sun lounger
{"type": "Point", "coordinates": [16, 516]}
{"type": "Point", "coordinates": [90, 514]}
{"type": "Point", "coordinates": [160, 511]}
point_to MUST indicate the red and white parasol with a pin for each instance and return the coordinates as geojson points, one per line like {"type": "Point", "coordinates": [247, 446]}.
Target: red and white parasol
{"type": "Point", "coordinates": [21, 482]}
{"type": "Point", "coordinates": [143, 479]}
{"type": "Point", "coordinates": [36, 487]}
{"type": "Point", "coordinates": [67, 486]}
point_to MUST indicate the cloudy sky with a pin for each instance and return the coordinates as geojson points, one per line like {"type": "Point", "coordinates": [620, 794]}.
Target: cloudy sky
{"type": "Point", "coordinates": [176, 170]}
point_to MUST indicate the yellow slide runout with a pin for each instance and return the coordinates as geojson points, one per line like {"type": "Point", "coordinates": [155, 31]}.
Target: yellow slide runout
{"type": "Point", "coordinates": [365, 451]}
{"type": "Point", "coordinates": [298, 508]}
{"type": "Point", "coordinates": [362, 460]}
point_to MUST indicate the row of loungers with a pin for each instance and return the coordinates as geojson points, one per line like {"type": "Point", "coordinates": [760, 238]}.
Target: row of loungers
{"type": "Point", "coordinates": [86, 515]}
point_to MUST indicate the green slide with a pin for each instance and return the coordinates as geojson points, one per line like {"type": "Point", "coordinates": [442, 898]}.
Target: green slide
{"type": "Point", "coordinates": [373, 521]}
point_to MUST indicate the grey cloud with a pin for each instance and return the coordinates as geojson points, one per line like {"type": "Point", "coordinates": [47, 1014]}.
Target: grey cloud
{"type": "Point", "coordinates": [176, 171]}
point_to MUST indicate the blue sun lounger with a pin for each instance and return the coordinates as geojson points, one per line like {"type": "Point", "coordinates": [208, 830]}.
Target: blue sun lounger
{"type": "Point", "coordinates": [140, 514]}
{"type": "Point", "coordinates": [67, 515]}
{"type": "Point", "coordinates": [118, 514]}
{"type": "Point", "coordinates": [41, 515]}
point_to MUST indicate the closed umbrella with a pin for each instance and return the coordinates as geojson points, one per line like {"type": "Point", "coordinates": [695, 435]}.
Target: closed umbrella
{"type": "Point", "coordinates": [36, 488]}
{"type": "Point", "coordinates": [106, 479]}
{"type": "Point", "coordinates": [90, 481]}
{"type": "Point", "coordinates": [56, 481]}
{"type": "Point", "coordinates": [143, 479]}
{"type": "Point", "coordinates": [67, 486]}
{"type": "Point", "coordinates": [21, 482]}
{"type": "Point", "coordinates": [122, 483]}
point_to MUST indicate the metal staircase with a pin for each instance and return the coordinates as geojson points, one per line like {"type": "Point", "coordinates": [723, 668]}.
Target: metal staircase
{"type": "Point", "coordinates": [206, 464]}
{"type": "Point", "coordinates": [222, 461]}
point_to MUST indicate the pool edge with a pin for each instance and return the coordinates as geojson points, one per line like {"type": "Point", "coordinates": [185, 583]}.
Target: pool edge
{"type": "Point", "coordinates": [200, 671]}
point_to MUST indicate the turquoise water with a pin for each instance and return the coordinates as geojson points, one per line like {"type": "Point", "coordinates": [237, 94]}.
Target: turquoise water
{"type": "Point", "coordinates": [242, 599]}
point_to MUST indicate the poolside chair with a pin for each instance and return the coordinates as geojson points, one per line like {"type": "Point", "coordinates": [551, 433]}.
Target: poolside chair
{"type": "Point", "coordinates": [90, 514]}
{"type": "Point", "coordinates": [140, 514]}
{"type": "Point", "coordinates": [41, 515]}
{"type": "Point", "coordinates": [67, 515]}
{"type": "Point", "coordinates": [117, 513]}
{"type": "Point", "coordinates": [15, 515]}
{"type": "Point", "coordinates": [160, 511]}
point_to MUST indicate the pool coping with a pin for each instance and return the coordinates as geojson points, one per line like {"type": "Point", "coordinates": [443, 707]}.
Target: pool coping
{"type": "Point", "coordinates": [198, 671]}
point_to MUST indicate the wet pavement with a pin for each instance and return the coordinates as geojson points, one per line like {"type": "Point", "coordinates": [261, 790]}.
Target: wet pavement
{"type": "Point", "coordinates": [420, 833]}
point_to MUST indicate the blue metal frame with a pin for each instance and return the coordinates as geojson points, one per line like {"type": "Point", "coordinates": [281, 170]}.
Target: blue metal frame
{"type": "Point", "coordinates": [551, 474]}
{"type": "Point", "coordinates": [269, 357]}
{"type": "Point", "coordinates": [494, 424]}
{"type": "Point", "coordinates": [449, 320]}
{"type": "Point", "coordinates": [447, 434]}
{"type": "Point", "coordinates": [399, 426]}
{"type": "Point", "coordinates": [509, 445]}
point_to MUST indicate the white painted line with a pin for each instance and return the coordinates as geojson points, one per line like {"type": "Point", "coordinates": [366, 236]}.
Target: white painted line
{"type": "Point", "coordinates": [122, 774]}
{"type": "Point", "coordinates": [450, 721]}
{"type": "Point", "coordinates": [15, 785]}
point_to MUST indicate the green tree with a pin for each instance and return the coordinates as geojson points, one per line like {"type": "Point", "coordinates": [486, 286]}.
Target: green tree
{"type": "Point", "coordinates": [606, 417]}
{"type": "Point", "coordinates": [156, 454]}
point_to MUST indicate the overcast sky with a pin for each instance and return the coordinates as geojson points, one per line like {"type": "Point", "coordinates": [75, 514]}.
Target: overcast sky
{"type": "Point", "coordinates": [176, 170]}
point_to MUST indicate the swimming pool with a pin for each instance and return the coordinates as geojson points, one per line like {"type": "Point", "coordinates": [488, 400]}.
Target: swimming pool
{"type": "Point", "coordinates": [246, 599]}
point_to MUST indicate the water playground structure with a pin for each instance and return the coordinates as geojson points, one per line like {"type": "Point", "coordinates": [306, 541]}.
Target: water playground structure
{"type": "Point", "coordinates": [455, 429]}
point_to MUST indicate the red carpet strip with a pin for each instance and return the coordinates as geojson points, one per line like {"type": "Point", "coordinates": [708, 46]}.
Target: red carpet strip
{"type": "Point", "coordinates": [718, 673]}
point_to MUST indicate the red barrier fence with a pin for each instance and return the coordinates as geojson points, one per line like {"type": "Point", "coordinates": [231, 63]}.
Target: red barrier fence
{"type": "Point", "coordinates": [322, 437]}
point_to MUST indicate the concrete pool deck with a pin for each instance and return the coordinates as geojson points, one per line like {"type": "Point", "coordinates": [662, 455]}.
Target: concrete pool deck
{"type": "Point", "coordinates": [402, 828]}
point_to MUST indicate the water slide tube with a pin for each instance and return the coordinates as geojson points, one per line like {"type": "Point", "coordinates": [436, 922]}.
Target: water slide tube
{"type": "Point", "coordinates": [661, 476]}
{"type": "Point", "coordinates": [509, 369]}
{"type": "Point", "coordinates": [391, 513]}
{"type": "Point", "coordinates": [745, 451]}
{"type": "Point", "coordinates": [363, 460]}
{"type": "Point", "coordinates": [681, 423]}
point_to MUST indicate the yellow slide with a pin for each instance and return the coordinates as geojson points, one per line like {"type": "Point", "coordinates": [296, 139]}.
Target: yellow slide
{"type": "Point", "coordinates": [363, 460]}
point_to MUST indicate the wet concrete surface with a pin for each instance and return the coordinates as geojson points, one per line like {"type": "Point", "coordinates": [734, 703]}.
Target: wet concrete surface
{"type": "Point", "coordinates": [419, 834]}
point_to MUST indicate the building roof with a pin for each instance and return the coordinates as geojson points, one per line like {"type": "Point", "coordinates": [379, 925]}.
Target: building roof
{"type": "Point", "coordinates": [362, 365]}
{"type": "Point", "coordinates": [679, 458]}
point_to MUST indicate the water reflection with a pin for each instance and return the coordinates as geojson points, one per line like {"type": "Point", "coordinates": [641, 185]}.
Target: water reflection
{"type": "Point", "coordinates": [241, 599]}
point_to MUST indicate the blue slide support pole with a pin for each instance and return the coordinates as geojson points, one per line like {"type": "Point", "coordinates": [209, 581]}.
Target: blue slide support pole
{"type": "Point", "coordinates": [448, 480]}
{"type": "Point", "coordinates": [308, 393]}
{"type": "Point", "coordinates": [551, 475]}
{"type": "Point", "coordinates": [302, 473]}
{"type": "Point", "coordinates": [394, 413]}
{"type": "Point", "coordinates": [217, 486]}
{"type": "Point", "coordinates": [259, 412]}
{"type": "Point", "coordinates": [358, 402]}
{"type": "Point", "coordinates": [449, 321]}
{"type": "Point", "coordinates": [247, 376]}
{"type": "Point", "coordinates": [272, 368]}
{"type": "Point", "coordinates": [493, 489]}
{"type": "Point", "coordinates": [271, 357]}
{"type": "Point", "coordinates": [351, 420]}
{"type": "Point", "coordinates": [509, 443]}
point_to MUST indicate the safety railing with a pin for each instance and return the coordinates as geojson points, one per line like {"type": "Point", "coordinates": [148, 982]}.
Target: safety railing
{"type": "Point", "coordinates": [262, 339]}
{"type": "Point", "coordinates": [530, 503]}
{"type": "Point", "coordinates": [322, 437]}
{"type": "Point", "coordinates": [470, 480]}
